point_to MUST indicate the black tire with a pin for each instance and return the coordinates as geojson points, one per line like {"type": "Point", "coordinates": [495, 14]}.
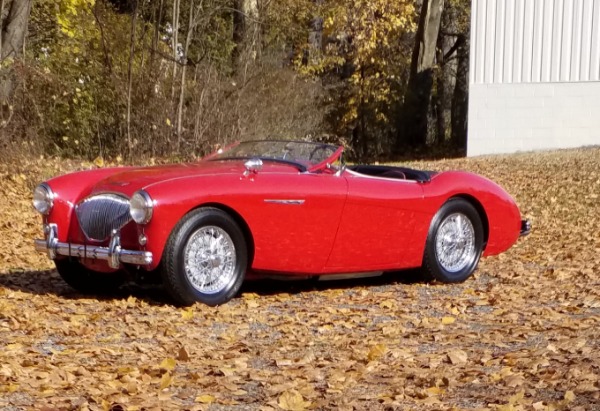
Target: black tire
{"type": "Point", "coordinates": [87, 281]}
{"type": "Point", "coordinates": [436, 266]}
{"type": "Point", "coordinates": [210, 223]}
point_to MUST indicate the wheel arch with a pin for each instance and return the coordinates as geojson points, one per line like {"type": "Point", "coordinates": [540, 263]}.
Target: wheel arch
{"type": "Point", "coordinates": [482, 214]}
{"type": "Point", "coordinates": [239, 220]}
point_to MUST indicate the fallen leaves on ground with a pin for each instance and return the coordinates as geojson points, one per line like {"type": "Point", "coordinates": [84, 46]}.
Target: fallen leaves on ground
{"type": "Point", "coordinates": [522, 334]}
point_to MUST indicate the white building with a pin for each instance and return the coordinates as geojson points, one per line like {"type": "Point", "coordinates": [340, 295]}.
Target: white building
{"type": "Point", "coordinates": [534, 76]}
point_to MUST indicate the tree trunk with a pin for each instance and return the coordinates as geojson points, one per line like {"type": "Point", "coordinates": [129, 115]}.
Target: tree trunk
{"type": "Point", "coordinates": [460, 97]}
{"type": "Point", "coordinates": [130, 78]}
{"type": "Point", "coordinates": [246, 33]}
{"type": "Point", "coordinates": [1, 25]}
{"type": "Point", "coordinates": [14, 29]}
{"type": "Point", "coordinates": [188, 40]}
{"type": "Point", "coordinates": [315, 37]}
{"type": "Point", "coordinates": [439, 99]}
{"type": "Point", "coordinates": [175, 43]}
{"type": "Point", "coordinates": [239, 30]}
{"type": "Point", "coordinates": [158, 16]}
{"type": "Point", "coordinates": [12, 40]}
{"type": "Point", "coordinates": [418, 95]}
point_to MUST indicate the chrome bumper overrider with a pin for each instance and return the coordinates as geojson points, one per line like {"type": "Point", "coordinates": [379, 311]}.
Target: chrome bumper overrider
{"type": "Point", "coordinates": [525, 227]}
{"type": "Point", "coordinates": [114, 254]}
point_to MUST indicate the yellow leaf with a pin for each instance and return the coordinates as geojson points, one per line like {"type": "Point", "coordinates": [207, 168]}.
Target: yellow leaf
{"type": "Point", "coordinates": [516, 398]}
{"type": "Point", "coordinates": [205, 399]}
{"type": "Point", "coordinates": [569, 396]}
{"type": "Point", "coordinates": [166, 380]}
{"type": "Point", "coordinates": [12, 387]}
{"type": "Point", "coordinates": [448, 320]}
{"type": "Point", "coordinates": [168, 121]}
{"type": "Point", "coordinates": [168, 364]}
{"type": "Point", "coordinates": [292, 400]}
{"type": "Point", "coordinates": [435, 391]}
{"type": "Point", "coordinates": [376, 352]}
{"type": "Point", "coordinates": [99, 162]}
{"type": "Point", "coordinates": [187, 314]}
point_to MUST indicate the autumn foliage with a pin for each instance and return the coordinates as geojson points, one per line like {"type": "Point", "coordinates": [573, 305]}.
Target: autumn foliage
{"type": "Point", "coordinates": [522, 334]}
{"type": "Point", "coordinates": [176, 77]}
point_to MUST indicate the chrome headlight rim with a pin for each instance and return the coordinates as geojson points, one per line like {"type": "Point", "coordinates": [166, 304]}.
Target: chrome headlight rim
{"type": "Point", "coordinates": [141, 207]}
{"type": "Point", "coordinates": [43, 199]}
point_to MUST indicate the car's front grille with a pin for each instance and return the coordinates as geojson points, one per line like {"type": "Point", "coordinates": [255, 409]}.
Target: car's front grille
{"type": "Point", "coordinates": [100, 214]}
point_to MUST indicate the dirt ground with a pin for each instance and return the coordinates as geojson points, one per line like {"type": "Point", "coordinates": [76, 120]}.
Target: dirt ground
{"type": "Point", "coordinates": [522, 334]}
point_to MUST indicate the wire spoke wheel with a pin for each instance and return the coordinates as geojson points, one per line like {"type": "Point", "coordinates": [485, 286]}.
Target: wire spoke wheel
{"type": "Point", "coordinates": [210, 260]}
{"type": "Point", "coordinates": [205, 258]}
{"type": "Point", "coordinates": [455, 243]}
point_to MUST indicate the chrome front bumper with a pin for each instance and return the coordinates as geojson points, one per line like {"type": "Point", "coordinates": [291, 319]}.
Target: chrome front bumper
{"type": "Point", "coordinates": [114, 254]}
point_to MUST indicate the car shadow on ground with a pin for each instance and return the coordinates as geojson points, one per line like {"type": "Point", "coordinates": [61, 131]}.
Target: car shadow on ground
{"type": "Point", "coordinates": [48, 282]}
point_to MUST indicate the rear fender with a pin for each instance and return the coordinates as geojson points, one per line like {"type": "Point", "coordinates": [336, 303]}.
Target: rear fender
{"type": "Point", "coordinates": [501, 211]}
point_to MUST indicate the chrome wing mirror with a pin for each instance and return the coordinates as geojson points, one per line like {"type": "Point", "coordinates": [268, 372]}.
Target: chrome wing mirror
{"type": "Point", "coordinates": [253, 166]}
{"type": "Point", "coordinates": [338, 169]}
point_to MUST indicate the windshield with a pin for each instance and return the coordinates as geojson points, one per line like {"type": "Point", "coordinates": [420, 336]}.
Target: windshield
{"type": "Point", "coordinates": [304, 155]}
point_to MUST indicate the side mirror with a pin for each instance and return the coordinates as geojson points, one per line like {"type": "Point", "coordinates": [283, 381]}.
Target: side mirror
{"type": "Point", "coordinates": [337, 169]}
{"type": "Point", "coordinates": [254, 165]}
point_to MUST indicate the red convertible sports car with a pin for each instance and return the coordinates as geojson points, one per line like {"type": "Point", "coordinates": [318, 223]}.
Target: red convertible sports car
{"type": "Point", "coordinates": [266, 207]}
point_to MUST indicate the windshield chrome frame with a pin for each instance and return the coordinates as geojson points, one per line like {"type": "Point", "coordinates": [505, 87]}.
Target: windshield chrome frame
{"type": "Point", "coordinates": [301, 166]}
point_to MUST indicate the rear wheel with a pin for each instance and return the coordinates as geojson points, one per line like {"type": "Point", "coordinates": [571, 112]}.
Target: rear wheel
{"type": "Point", "coordinates": [85, 280]}
{"type": "Point", "coordinates": [205, 258]}
{"type": "Point", "coordinates": [454, 242]}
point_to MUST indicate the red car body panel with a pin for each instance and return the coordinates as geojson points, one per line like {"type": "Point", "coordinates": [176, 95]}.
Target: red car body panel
{"type": "Point", "coordinates": [298, 222]}
{"type": "Point", "coordinates": [378, 222]}
{"type": "Point", "coordinates": [501, 212]}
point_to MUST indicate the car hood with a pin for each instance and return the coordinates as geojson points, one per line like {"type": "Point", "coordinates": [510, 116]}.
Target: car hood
{"type": "Point", "coordinates": [129, 180]}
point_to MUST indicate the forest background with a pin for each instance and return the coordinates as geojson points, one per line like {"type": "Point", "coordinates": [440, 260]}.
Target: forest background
{"type": "Point", "coordinates": [127, 79]}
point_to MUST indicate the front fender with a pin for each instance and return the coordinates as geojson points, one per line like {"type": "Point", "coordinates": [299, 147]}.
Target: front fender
{"type": "Point", "coordinates": [68, 190]}
{"type": "Point", "coordinates": [173, 199]}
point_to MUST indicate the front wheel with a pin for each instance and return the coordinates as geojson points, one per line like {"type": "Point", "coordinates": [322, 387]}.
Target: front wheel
{"type": "Point", "coordinates": [454, 242]}
{"type": "Point", "coordinates": [205, 258]}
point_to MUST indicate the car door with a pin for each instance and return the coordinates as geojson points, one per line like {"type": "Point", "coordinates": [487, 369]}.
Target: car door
{"type": "Point", "coordinates": [293, 218]}
{"type": "Point", "coordinates": [376, 225]}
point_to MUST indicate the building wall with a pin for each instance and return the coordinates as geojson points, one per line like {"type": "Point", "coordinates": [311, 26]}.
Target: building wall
{"type": "Point", "coordinates": [535, 75]}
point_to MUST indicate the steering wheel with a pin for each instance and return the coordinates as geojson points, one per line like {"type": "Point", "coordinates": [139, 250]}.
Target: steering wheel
{"type": "Point", "coordinates": [287, 151]}
{"type": "Point", "coordinates": [322, 147]}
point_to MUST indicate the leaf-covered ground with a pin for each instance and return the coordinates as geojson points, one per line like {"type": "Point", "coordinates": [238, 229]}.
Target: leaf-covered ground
{"type": "Point", "coordinates": [522, 334]}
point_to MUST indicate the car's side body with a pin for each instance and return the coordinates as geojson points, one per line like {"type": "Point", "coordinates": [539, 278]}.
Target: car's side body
{"type": "Point", "coordinates": [298, 222]}
{"type": "Point", "coordinates": [315, 221]}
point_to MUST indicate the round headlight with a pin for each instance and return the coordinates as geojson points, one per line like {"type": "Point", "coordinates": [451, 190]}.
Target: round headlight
{"type": "Point", "coordinates": [140, 207]}
{"type": "Point", "coordinates": [43, 199]}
